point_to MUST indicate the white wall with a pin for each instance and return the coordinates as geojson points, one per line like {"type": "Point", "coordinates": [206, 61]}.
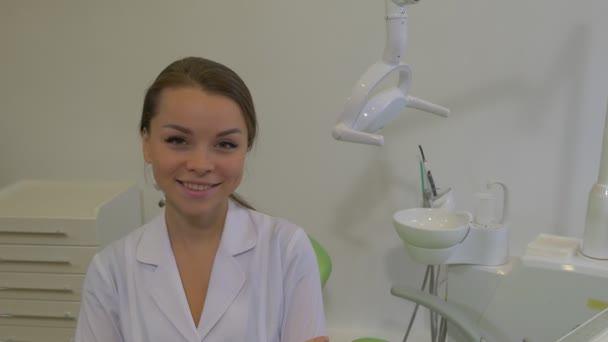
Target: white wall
{"type": "Point", "coordinates": [526, 82]}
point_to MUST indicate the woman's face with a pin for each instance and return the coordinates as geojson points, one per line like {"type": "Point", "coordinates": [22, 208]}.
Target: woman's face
{"type": "Point", "coordinates": [197, 145]}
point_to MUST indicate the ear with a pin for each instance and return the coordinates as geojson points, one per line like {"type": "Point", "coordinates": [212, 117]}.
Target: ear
{"type": "Point", "coordinates": [145, 144]}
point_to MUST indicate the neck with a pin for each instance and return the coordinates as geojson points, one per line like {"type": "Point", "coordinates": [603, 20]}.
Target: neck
{"type": "Point", "coordinates": [194, 231]}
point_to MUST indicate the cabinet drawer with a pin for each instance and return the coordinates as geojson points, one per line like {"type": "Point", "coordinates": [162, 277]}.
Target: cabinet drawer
{"type": "Point", "coordinates": [36, 334]}
{"type": "Point", "coordinates": [41, 286]}
{"type": "Point", "coordinates": [38, 313]}
{"type": "Point", "coordinates": [53, 231]}
{"type": "Point", "coordinates": [45, 259]}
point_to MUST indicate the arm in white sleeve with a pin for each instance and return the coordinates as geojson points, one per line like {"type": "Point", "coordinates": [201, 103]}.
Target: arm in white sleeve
{"type": "Point", "coordinates": [98, 319]}
{"type": "Point", "coordinates": [304, 318]}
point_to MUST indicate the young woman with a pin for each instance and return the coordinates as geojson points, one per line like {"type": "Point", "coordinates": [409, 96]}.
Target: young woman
{"type": "Point", "coordinates": [208, 268]}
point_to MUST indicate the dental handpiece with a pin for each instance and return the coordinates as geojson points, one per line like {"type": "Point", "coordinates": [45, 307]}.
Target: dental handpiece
{"type": "Point", "coordinates": [431, 183]}
{"type": "Point", "coordinates": [429, 176]}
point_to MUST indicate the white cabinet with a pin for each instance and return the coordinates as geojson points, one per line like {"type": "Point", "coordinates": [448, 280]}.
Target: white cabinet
{"type": "Point", "coordinates": [49, 232]}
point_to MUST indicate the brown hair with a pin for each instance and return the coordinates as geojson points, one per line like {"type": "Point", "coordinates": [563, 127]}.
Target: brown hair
{"type": "Point", "coordinates": [210, 76]}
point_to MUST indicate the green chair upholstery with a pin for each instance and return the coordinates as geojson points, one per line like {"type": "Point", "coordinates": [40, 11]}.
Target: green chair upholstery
{"type": "Point", "coordinates": [323, 260]}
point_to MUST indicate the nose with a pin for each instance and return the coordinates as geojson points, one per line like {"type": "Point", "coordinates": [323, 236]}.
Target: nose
{"type": "Point", "coordinates": [200, 161]}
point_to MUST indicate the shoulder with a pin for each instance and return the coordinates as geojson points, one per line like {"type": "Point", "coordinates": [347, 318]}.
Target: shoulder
{"type": "Point", "coordinates": [277, 230]}
{"type": "Point", "coordinates": [119, 250]}
{"type": "Point", "coordinates": [286, 240]}
{"type": "Point", "coordinates": [115, 258]}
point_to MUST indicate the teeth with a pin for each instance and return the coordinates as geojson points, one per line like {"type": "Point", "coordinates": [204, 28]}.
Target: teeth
{"type": "Point", "coordinates": [196, 187]}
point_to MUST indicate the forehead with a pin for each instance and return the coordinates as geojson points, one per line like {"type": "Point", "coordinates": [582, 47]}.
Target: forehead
{"type": "Point", "coordinates": [198, 109]}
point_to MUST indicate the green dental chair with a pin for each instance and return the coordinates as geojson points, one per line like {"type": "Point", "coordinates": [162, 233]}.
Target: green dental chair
{"type": "Point", "coordinates": [324, 262]}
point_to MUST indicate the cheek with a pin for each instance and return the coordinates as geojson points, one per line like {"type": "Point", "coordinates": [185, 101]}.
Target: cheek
{"type": "Point", "coordinates": [161, 173]}
{"type": "Point", "coordinates": [163, 161]}
{"type": "Point", "coordinates": [234, 167]}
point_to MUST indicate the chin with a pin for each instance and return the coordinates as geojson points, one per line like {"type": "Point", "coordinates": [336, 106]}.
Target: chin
{"type": "Point", "coordinates": [191, 209]}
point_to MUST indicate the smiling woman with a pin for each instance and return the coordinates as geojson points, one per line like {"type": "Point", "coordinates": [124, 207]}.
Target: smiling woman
{"type": "Point", "coordinates": [209, 268]}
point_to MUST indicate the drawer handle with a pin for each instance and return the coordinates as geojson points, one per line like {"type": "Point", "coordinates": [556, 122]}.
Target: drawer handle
{"type": "Point", "coordinates": [10, 339]}
{"type": "Point", "coordinates": [57, 232]}
{"type": "Point", "coordinates": [33, 261]}
{"type": "Point", "coordinates": [34, 289]}
{"type": "Point", "coordinates": [68, 316]}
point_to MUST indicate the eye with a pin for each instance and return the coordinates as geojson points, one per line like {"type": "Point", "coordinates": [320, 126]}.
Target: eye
{"type": "Point", "coordinates": [175, 140]}
{"type": "Point", "coordinates": [227, 145]}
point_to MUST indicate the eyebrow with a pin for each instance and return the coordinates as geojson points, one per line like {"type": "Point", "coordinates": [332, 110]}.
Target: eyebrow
{"type": "Point", "coordinates": [178, 128]}
{"type": "Point", "coordinates": [229, 131]}
{"type": "Point", "coordinates": [188, 131]}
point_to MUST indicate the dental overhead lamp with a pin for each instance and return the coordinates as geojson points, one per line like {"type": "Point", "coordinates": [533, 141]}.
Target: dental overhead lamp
{"type": "Point", "coordinates": [363, 115]}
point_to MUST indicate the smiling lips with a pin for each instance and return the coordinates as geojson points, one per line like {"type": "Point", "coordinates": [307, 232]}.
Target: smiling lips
{"type": "Point", "coordinates": [197, 189]}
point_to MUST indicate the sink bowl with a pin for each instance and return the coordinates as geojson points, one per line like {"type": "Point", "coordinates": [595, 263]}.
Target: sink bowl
{"type": "Point", "coordinates": [430, 256]}
{"type": "Point", "coordinates": [432, 227]}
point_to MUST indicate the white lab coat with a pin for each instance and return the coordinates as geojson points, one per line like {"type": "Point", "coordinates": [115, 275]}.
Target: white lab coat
{"type": "Point", "coordinates": [264, 287]}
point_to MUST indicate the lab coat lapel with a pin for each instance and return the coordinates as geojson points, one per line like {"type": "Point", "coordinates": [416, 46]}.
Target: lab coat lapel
{"type": "Point", "coordinates": [228, 276]}
{"type": "Point", "coordinates": [165, 286]}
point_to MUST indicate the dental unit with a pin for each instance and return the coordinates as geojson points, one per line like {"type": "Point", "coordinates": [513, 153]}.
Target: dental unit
{"type": "Point", "coordinates": [555, 291]}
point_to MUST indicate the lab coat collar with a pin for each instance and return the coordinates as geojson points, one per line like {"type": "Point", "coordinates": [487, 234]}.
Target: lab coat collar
{"type": "Point", "coordinates": [152, 247]}
{"type": "Point", "coordinates": [227, 278]}
{"type": "Point", "coordinates": [239, 235]}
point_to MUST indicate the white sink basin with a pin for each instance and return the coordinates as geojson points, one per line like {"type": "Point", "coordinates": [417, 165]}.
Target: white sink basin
{"type": "Point", "coordinates": [431, 228]}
